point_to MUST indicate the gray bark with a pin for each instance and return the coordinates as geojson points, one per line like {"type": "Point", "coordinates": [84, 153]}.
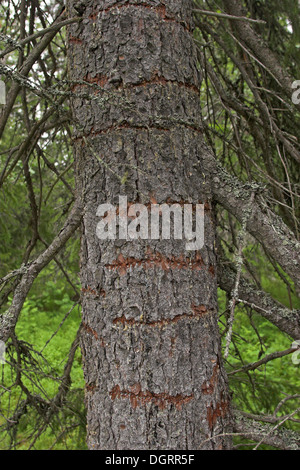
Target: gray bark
{"type": "Point", "coordinates": [263, 224]}
{"type": "Point", "coordinates": [151, 347]}
{"type": "Point", "coordinates": [275, 436]}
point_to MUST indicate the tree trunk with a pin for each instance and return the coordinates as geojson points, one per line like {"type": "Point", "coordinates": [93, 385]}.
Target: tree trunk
{"type": "Point", "coordinates": [151, 347]}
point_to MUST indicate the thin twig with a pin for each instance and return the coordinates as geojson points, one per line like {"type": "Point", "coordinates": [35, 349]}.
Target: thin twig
{"type": "Point", "coordinates": [265, 360]}
{"type": "Point", "coordinates": [32, 37]}
{"type": "Point", "coordinates": [228, 17]}
{"type": "Point", "coordinates": [235, 292]}
{"type": "Point", "coordinates": [276, 427]}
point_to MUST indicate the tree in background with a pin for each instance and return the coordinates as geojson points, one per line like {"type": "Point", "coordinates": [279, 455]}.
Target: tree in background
{"type": "Point", "coordinates": [154, 374]}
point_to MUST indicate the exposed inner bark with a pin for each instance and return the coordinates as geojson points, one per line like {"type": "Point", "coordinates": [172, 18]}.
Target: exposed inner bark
{"type": "Point", "coordinates": [151, 347]}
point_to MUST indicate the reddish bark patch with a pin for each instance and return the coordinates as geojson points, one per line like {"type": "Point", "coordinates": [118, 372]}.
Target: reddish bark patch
{"type": "Point", "coordinates": [88, 290]}
{"type": "Point", "coordinates": [75, 40]}
{"type": "Point", "coordinates": [209, 387]}
{"type": "Point", "coordinates": [90, 387]}
{"type": "Point", "coordinates": [94, 16]}
{"type": "Point", "coordinates": [101, 80]}
{"type": "Point", "coordinates": [93, 292]}
{"type": "Point", "coordinates": [94, 333]}
{"type": "Point", "coordinates": [139, 398]}
{"type": "Point", "coordinates": [199, 312]}
{"type": "Point", "coordinates": [125, 321]}
{"type": "Point", "coordinates": [158, 80]}
{"type": "Point", "coordinates": [115, 128]}
{"type": "Point", "coordinates": [160, 10]}
{"type": "Point", "coordinates": [173, 341]}
{"type": "Point", "coordinates": [219, 411]}
{"type": "Point", "coordinates": [211, 269]}
{"type": "Point", "coordinates": [156, 260]}
{"type": "Point", "coordinates": [90, 330]}
{"type": "Point", "coordinates": [98, 80]}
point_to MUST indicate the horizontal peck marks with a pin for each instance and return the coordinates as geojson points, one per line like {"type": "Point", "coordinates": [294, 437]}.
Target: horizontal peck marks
{"type": "Point", "coordinates": [150, 127]}
{"type": "Point", "coordinates": [157, 260]}
{"type": "Point", "coordinates": [93, 292]}
{"type": "Point", "coordinates": [161, 11]}
{"type": "Point", "coordinates": [101, 80]}
{"type": "Point", "coordinates": [74, 40]}
{"type": "Point", "coordinates": [139, 398]}
{"type": "Point", "coordinates": [198, 312]}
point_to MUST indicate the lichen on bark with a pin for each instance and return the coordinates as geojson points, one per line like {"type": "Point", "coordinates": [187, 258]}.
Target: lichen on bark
{"type": "Point", "coordinates": [151, 346]}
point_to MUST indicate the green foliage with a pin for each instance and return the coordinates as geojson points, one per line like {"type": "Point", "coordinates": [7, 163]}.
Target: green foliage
{"type": "Point", "coordinates": [259, 392]}
{"type": "Point", "coordinates": [50, 317]}
{"type": "Point", "coordinates": [47, 311]}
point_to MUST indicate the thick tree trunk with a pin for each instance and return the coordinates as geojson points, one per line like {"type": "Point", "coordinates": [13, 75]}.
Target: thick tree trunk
{"type": "Point", "coordinates": [151, 347]}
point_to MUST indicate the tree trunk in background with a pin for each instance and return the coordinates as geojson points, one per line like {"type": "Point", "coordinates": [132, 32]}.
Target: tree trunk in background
{"type": "Point", "coordinates": [150, 343]}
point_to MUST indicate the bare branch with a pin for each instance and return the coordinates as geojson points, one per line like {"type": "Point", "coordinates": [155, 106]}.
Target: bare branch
{"type": "Point", "coordinates": [265, 360]}
{"type": "Point", "coordinates": [228, 17]}
{"type": "Point", "coordinates": [283, 438]}
{"type": "Point", "coordinates": [239, 260]}
{"type": "Point", "coordinates": [24, 70]}
{"type": "Point", "coordinates": [288, 321]}
{"type": "Point", "coordinates": [10, 318]}
{"type": "Point", "coordinates": [269, 229]}
{"type": "Point", "coordinates": [53, 28]}
{"type": "Point", "coordinates": [255, 42]}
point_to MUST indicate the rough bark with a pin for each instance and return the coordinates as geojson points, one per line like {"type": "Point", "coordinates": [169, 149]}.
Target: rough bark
{"type": "Point", "coordinates": [274, 436]}
{"type": "Point", "coordinates": [263, 224]}
{"type": "Point", "coordinates": [151, 347]}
